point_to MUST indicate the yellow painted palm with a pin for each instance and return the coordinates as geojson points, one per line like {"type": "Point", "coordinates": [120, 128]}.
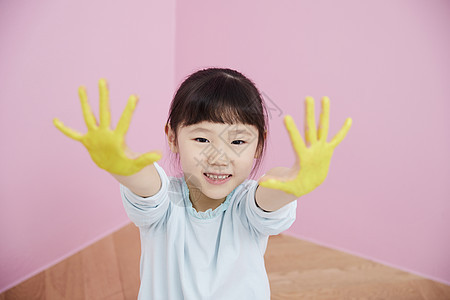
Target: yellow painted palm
{"type": "Point", "coordinates": [107, 147]}
{"type": "Point", "coordinates": [312, 163]}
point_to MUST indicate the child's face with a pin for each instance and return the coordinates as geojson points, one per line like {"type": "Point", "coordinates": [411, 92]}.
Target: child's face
{"type": "Point", "coordinates": [218, 149]}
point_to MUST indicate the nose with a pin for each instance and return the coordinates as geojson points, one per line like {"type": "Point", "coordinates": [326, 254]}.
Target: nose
{"type": "Point", "coordinates": [218, 155]}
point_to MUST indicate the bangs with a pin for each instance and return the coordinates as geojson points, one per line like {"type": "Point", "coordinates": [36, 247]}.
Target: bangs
{"type": "Point", "coordinates": [220, 100]}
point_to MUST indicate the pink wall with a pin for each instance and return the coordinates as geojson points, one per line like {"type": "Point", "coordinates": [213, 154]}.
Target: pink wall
{"type": "Point", "coordinates": [385, 64]}
{"type": "Point", "coordinates": [54, 200]}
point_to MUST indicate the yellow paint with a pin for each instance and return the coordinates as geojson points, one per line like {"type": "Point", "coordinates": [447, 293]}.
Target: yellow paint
{"type": "Point", "coordinates": [107, 147]}
{"type": "Point", "coordinates": [312, 161]}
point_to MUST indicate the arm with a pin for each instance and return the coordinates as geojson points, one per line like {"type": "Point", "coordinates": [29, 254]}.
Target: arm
{"type": "Point", "coordinates": [107, 147]}
{"type": "Point", "coordinates": [144, 183]}
{"type": "Point", "coordinates": [270, 199]}
{"type": "Point", "coordinates": [283, 185]}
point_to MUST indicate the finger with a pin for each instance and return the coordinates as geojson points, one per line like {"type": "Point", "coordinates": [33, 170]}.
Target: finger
{"type": "Point", "coordinates": [67, 131]}
{"type": "Point", "coordinates": [294, 134]}
{"type": "Point", "coordinates": [89, 117]}
{"type": "Point", "coordinates": [342, 133]}
{"type": "Point", "coordinates": [310, 121]}
{"type": "Point", "coordinates": [324, 121]}
{"type": "Point", "coordinates": [125, 119]}
{"type": "Point", "coordinates": [105, 116]}
{"type": "Point", "coordinates": [147, 158]}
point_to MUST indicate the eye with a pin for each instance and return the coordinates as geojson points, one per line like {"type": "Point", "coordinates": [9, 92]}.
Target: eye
{"type": "Point", "coordinates": [202, 140]}
{"type": "Point", "coordinates": [242, 142]}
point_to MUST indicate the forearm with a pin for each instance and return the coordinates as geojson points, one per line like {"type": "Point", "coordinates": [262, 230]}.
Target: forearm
{"type": "Point", "coordinates": [271, 199]}
{"type": "Point", "coordinates": [144, 183]}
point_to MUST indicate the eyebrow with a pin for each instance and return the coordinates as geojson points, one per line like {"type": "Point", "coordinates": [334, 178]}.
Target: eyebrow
{"type": "Point", "coordinates": [200, 129]}
{"type": "Point", "coordinates": [237, 131]}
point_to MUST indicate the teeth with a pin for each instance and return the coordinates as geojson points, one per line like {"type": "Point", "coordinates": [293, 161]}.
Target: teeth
{"type": "Point", "coordinates": [215, 177]}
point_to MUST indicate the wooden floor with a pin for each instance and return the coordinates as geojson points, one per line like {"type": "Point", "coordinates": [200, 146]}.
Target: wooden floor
{"type": "Point", "coordinates": [109, 269]}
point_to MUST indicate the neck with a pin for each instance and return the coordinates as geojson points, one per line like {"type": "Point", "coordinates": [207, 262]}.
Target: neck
{"type": "Point", "coordinates": [201, 202]}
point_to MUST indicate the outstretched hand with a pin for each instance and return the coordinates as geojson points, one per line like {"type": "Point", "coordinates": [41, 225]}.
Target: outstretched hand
{"type": "Point", "coordinates": [311, 165]}
{"type": "Point", "coordinates": [107, 147]}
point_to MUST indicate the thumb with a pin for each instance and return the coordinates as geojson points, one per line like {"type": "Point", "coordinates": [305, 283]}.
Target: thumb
{"type": "Point", "coordinates": [148, 158]}
{"type": "Point", "coordinates": [266, 177]}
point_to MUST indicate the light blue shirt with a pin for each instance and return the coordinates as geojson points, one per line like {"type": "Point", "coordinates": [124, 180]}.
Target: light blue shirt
{"type": "Point", "coordinates": [216, 254]}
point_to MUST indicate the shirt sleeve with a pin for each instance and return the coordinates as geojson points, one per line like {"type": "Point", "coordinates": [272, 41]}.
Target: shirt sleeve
{"type": "Point", "coordinates": [268, 223]}
{"type": "Point", "coordinates": [149, 210]}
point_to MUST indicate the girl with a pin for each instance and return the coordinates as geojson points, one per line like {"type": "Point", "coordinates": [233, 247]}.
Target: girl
{"type": "Point", "coordinates": [204, 234]}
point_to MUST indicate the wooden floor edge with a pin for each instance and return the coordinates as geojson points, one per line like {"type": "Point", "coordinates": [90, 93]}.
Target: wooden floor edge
{"type": "Point", "coordinates": [64, 257]}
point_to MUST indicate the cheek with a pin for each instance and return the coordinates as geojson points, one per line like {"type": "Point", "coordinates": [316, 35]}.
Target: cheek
{"type": "Point", "coordinates": [190, 155]}
{"type": "Point", "coordinates": [250, 151]}
{"type": "Point", "coordinates": [247, 156]}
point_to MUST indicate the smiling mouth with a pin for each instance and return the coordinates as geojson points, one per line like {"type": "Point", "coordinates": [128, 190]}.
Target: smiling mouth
{"type": "Point", "coordinates": [217, 176]}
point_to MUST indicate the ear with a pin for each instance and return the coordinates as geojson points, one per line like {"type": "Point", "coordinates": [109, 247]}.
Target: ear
{"type": "Point", "coordinates": [171, 138]}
